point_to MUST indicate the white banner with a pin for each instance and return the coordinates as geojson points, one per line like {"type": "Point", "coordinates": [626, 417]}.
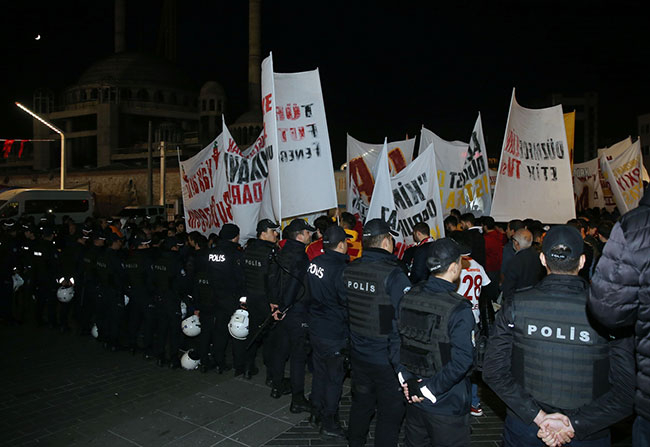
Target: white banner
{"type": "Point", "coordinates": [462, 172]}
{"type": "Point", "coordinates": [413, 197]}
{"type": "Point", "coordinates": [623, 175]}
{"type": "Point", "coordinates": [617, 149]}
{"type": "Point", "coordinates": [205, 192]}
{"type": "Point", "coordinates": [303, 154]}
{"type": "Point", "coordinates": [246, 178]}
{"type": "Point", "coordinates": [534, 178]}
{"type": "Point", "coordinates": [361, 162]}
{"type": "Point", "coordinates": [382, 204]}
{"type": "Point", "coordinates": [587, 187]}
{"type": "Point", "coordinates": [271, 140]}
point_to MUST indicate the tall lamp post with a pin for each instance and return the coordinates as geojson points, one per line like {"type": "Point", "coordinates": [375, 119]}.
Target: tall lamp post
{"type": "Point", "coordinates": [55, 129]}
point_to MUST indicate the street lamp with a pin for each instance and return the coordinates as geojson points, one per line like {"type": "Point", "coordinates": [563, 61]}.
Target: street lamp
{"type": "Point", "coordinates": [55, 129]}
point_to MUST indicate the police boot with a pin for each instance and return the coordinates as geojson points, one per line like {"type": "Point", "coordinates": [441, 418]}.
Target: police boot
{"type": "Point", "coordinates": [282, 389]}
{"type": "Point", "coordinates": [331, 429]}
{"type": "Point", "coordinates": [250, 372]}
{"type": "Point", "coordinates": [314, 419]}
{"type": "Point", "coordinates": [299, 404]}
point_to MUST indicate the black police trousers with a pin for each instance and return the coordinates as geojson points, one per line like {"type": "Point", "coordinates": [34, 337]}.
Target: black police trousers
{"type": "Point", "coordinates": [214, 337]}
{"type": "Point", "coordinates": [110, 315]}
{"type": "Point", "coordinates": [86, 307]}
{"type": "Point", "coordinates": [244, 356]}
{"type": "Point", "coordinates": [375, 387]}
{"type": "Point", "coordinates": [140, 311]}
{"type": "Point", "coordinates": [289, 339]}
{"type": "Point", "coordinates": [423, 429]}
{"type": "Point", "coordinates": [168, 325]}
{"type": "Point", "coordinates": [329, 373]}
{"type": "Point", "coordinates": [45, 294]}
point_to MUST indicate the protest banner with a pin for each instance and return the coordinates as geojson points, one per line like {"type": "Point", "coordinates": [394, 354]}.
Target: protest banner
{"type": "Point", "coordinates": [205, 193]}
{"type": "Point", "coordinates": [587, 187]}
{"type": "Point", "coordinates": [462, 172]}
{"type": "Point", "coordinates": [298, 133]}
{"type": "Point", "coordinates": [623, 175]}
{"type": "Point", "coordinates": [271, 140]}
{"type": "Point", "coordinates": [610, 151]}
{"type": "Point", "coordinates": [246, 177]}
{"type": "Point", "coordinates": [361, 161]}
{"type": "Point", "coordinates": [534, 178]}
{"type": "Point", "coordinates": [617, 149]}
{"type": "Point", "coordinates": [570, 127]}
{"type": "Point", "coordinates": [412, 197]}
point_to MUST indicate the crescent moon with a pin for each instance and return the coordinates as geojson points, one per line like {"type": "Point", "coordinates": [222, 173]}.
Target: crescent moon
{"type": "Point", "coordinates": [38, 37]}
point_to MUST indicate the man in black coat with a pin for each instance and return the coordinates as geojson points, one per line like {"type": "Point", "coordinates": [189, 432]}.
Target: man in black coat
{"type": "Point", "coordinates": [620, 298]}
{"type": "Point", "coordinates": [525, 269]}
{"type": "Point", "coordinates": [560, 375]}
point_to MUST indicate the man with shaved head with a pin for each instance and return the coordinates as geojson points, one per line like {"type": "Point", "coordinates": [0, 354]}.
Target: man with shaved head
{"type": "Point", "coordinates": [524, 269]}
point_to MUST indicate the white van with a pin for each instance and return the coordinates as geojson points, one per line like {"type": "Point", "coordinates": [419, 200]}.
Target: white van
{"type": "Point", "coordinates": [139, 213]}
{"type": "Point", "coordinates": [16, 203]}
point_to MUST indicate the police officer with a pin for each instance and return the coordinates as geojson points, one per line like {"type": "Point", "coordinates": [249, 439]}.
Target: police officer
{"type": "Point", "coordinates": [46, 266]}
{"type": "Point", "coordinates": [287, 279]}
{"type": "Point", "coordinates": [560, 376]}
{"type": "Point", "coordinates": [328, 329]}
{"type": "Point", "coordinates": [87, 303]}
{"type": "Point", "coordinates": [226, 277]}
{"type": "Point", "coordinates": [375, 284]}
{"type": "Point", "coordinates": [437, 329]}
{"type": "Point", "coordinates": [167, 274]}
{"type": "Point", "coordinates": [9, 250]}
{"type": "Point", "coordinates": [139, 289]}
{"type": "Point", "coordinates": [71, 273]}
{"type": "Point", "coordinates": [256, 260]}
{"type": "Point", "coordinates": [111, 289]}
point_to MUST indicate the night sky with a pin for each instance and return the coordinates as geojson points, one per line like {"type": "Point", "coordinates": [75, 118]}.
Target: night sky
{"type": "Point", "coordinates": [385, 70]}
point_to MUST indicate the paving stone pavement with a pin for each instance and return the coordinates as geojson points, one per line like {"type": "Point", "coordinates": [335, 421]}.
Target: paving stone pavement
{"type": "Point", "coordinates": [65, 390]}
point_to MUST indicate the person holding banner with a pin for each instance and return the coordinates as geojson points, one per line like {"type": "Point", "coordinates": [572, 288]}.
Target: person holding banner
{"type": "Point", "coordinates": [375, 284]}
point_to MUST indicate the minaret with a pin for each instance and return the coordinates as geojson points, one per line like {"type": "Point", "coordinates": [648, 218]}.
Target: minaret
{"type": "Point", "coordinates": [120, 26]}
{"type": "Point", "coordinates": [254, 54]}
{"type": "Point", "coordinates": [167, 34]}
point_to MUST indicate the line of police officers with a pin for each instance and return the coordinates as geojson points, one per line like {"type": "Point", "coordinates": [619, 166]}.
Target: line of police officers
{"type": "Point", "coordinates": [411, 348]}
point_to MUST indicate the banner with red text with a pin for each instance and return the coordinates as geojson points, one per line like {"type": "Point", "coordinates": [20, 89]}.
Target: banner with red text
{"type": "Point", "coordinates": [301, 147]}
{"type": "Point", "coordinates": [587, 187]}
{"type": "Point", "coordinates": [623, 174]}
{"type": "Point", "coordinates": [534, 178]}
{"type": "Point", "coordinates": [615, 149]}
{"type": "Point", "coordinates": [361, 161]}
{"type": "Point", "coordinates": [205, 192]}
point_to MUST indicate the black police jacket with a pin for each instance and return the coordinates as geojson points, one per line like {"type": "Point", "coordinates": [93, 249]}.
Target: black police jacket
{"type": "Point", "coordinates": [110, 273]}
{"type": "Point", "coordinates": [46, 262]}
{"type": "Point", "coordinates": [287, 277]}
{"type": "Point", "coordinates": [327, 311]}
{"type": "Point", "coordinates": [257, 261]}
{"type": "Point", "coordinates": [224, 267]}
{"type": "Point", "coordinates": [501, 358]}
{"type": "Point", "coordinates": [450, 385]}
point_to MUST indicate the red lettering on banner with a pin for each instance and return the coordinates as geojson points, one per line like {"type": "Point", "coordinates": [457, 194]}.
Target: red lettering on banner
{"type": "Point", "coordinates": [510, 167]}
{"type": "Point", "coordinates": [266, 103]}
{"type": "Point", "coordinates": [248, 197]}
{"type": "Point", "coordinates": [257, 191]}
{"type": "Point", "coordinates": [360, 174]}
{"type": "Point", "coordinates": [289, 112]}
{"type": "Point", "coordinates": [396, 156]}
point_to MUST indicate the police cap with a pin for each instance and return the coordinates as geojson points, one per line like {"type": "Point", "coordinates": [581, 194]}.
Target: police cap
{"type": "Point", "coordinates": [443, 252]}
{"type": "Point", "coordinates": [229, 231]}
{"type": "Point", "coordinates": [562, 236]}
{"type": "Point", "coordinates": [375, 227]}
{"type": "Point", "coordinates": [334, 235]}
{"type": "Point", "coordinates": [298, 225]}
{"type": "Point", "coordinates": [265, 224]}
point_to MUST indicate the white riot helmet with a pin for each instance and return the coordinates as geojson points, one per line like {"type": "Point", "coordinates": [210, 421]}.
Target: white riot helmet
{"type": "Point", "coordinates": [190, 360]}
{"type": "Point", "coordinates": [94, 331]}
{"type": "Point", "coordinates": [238, 325]}
{"type": "Point", "coordinates": [191, 326]}
{"type": "Point", "coordinates": [65, 294]}
{"type": "Point", "coordinates": [18, 281]}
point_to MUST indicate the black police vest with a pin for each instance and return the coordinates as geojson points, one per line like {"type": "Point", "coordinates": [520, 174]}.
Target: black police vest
{"type": "Point", "coordinates": [163, 269]}
{"type": "Point", "coordinates": [256, 267]}
{"type": "Point", "coordinates": [370, 311]}
{"type": "Point", "coordinates": [106, 272]}
{"type": "Point", "coordinates": [557, 356]}
{"type": "Point", "coordinates": [136, 269]}
{"type": "Point", "coordinates": [204, 290]}
{"type": "Point", "coordinates": [424, 329]}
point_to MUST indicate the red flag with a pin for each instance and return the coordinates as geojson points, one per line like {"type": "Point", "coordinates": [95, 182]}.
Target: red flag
{"type": "Point", "coordinates": [22, 146]}
{"type": "Point", "coordinates": [7, 148]}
